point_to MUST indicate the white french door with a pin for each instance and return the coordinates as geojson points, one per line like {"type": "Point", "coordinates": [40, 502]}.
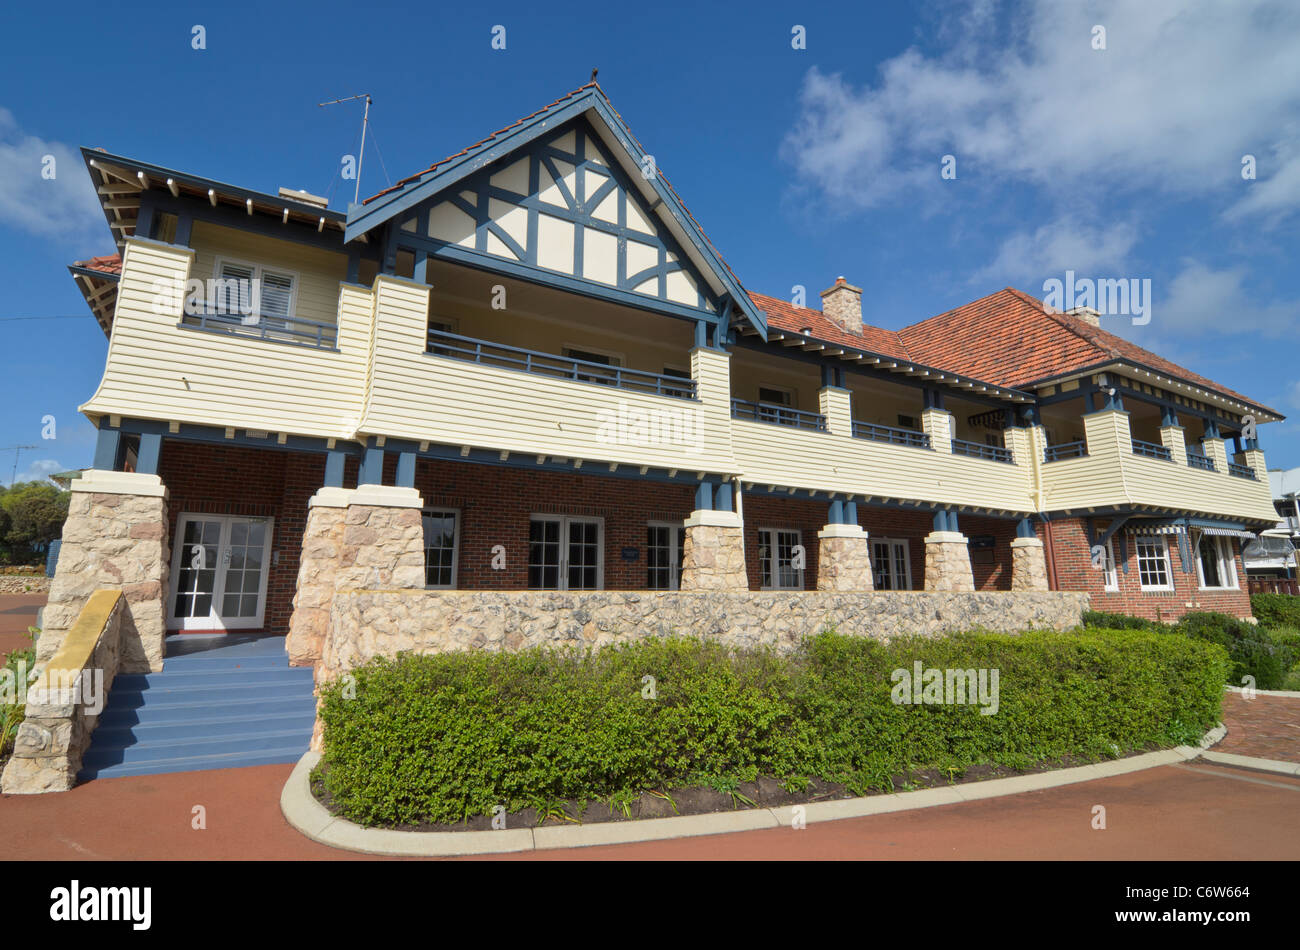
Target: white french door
{"type": "Point", "coordinates": [890, 565]}
{"type": "Point", "coordinates": [566, 553]}
{"type": "Point", "coordinates": [219, 572]}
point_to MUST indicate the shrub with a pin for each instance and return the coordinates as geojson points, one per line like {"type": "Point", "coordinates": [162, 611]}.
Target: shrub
{"type": "Point", "coordinates": [1109, 621]}
{"type": "Point", "coordinates": [441, 738]}
{"type": "Point", "coordinates": [1276, 610]}
{"type": "Point", "coordinates": [11, 713]}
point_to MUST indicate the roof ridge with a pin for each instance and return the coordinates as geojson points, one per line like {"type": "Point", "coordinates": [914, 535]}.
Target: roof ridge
{"type": "Point", "coordinates": [1073, 325]}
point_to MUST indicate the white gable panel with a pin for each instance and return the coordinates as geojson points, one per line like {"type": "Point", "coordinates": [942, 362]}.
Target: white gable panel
{"type": "Point", "coordinates": [552, 194]}
{"type": "Point", "coordinates": [599, 256]}
{"type": "Point", "coordinates": [449, 223]}
{"type": "Point", "coordinates": [681, 288]}
{"type": "Point", "coordinates": [554, 243]}
{"type": "Point", "coordinates": [499, 247]}
{"type": "Point", "coordinates": [512, 218]}
{"type": "Point", "coordinates": [566, 143]}
{"type": "Point", "coordinates": [640, 256]}
{"type": "Point", "coordinates": [635, 221]}
{"type": "Point", "coordinates": [650, 287]}
{"type": "Point", "coordinates": [409, 225]}
{"type": "Point", "coordinates": [607, 210]}
{"type": "Point", "coordinates": [513, 177]}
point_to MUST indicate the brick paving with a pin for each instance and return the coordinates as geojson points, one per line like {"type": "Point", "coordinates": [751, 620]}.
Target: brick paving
{"type": "Point", "coordinates": [1266, 727]}
{"type": "Point", "coordinates": [17, 613]}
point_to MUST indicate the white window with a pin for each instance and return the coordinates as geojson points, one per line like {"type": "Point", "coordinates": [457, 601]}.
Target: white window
{"type": "Point", "coordinates": [665, 544]}
{"type": "Point", "coordinates": [1154, 571]}
{"type": "Point", "coordinates": [566, 553]}
{"type": "Point", "coordinates": [441, 537]}
{"type": "Point", "coordinates": [891, 567]}
{"type": "Point", "coordinates": [1109, 573]}
{"type": "Point", "coordinates": [777, 550]}
{"type": "Point", "coordinates": [1215, 565]}
{"type": "Point", "coordinates": [219, 572]}
{"type": "Point", "coordinates": [255, 293]}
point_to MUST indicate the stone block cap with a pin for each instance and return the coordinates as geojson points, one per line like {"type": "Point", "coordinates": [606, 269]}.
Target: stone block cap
{"type": "Point", "coordinates": [841, 284]}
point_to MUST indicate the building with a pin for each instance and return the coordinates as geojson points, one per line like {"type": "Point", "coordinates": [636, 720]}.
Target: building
{"type": "Point", "coordinates": [527, 367]}
{"type": "Point", "coordinates": [1271, 559]}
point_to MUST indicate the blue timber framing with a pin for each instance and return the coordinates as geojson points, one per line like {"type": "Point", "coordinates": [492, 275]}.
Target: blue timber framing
{"type": "Point", "coordinates": [581, 109]}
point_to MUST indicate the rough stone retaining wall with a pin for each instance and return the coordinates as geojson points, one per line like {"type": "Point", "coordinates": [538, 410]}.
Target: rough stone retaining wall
{"type": "Point", "coordinates": [24, 583]}
{"type": "Point", "coordinates": [366, 624]}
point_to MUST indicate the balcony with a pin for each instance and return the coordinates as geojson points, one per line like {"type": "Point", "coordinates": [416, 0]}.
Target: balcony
{"type": "Point", "coordinates": [293, 330]}
{"type": "Point", "coordinates": [891, 435]}
{"type": "Point", "coordinates": [1200, 460]}
{"type": "Point", "coordinates": [1065, 450]}
{"type": "Point", "coordinates": [1152, 450]}
{"type": "Point", "coordinates": [488, 353]}
{"type": "Point", "coordinates": [1241, 471]}
{"type": "Point", "coordinates": [978, 450]}
{"type": "Point", "coordinates": [777, 415]}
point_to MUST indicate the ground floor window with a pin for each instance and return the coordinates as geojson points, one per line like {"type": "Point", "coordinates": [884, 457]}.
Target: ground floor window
{"type": "Point", "coordinates": [1215, 563]}
{"type": "Point", "coordinates": [565, 553]}
{"type": "Point", "coordinates": [1154, 572]}
{"type": "Point", "coordinates": [780, 559]}
{"type": "Point", "coordinates": [219, 572]}
{"type": "Point", "coordinates": [891, 566]}
{"type": "Point", "coordinates": [665, 547]}
{"type": "Point", "coordinates": [441, 536]}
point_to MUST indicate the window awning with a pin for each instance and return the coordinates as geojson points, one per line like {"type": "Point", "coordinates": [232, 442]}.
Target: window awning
{"type": "Point", "coordinates": [1230, 533]}
{"type": "Point", "coordinates": [1179, 527]}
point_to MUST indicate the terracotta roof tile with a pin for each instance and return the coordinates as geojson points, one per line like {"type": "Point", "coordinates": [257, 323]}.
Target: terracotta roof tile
{"type": "Point", "coordinates": [786, 316]}
{"type": "Point", "coordinates": [108, 264]}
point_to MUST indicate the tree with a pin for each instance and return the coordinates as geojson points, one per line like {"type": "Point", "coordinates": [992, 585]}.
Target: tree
{"type": "Point", "coordinates": [34, 514]}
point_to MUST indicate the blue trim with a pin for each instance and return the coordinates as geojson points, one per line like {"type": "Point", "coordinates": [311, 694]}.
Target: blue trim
{"type": "Point", "coordinates": [334, 460]}
{"type": "Point", "coordinates": [298, 232]}
{"type": "Point", "coordinates": [722, 500]}
{"type": "Point", "coordinates": [372, 467]}
{"type": "Point", "coordinates": [704, 497]}
{"type": "Point", "coordinates": [146, 458]}
{"type": "Point", "coordinates": [189, 432]}
{"type": "Point", "coordinates": [107, 443]}
{"type": "Point", "coordinates": [1025, 528]}
{"type": "Point", "coordinates": [406, 469]}
{"type": "Point", "coordinates": [364, 218]}
{"type": "Point", "coordinates": [850, 512]}
{"type": "Point", "coordinates": [835, 514]}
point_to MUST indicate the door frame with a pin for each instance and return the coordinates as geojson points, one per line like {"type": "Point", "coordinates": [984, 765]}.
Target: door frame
{"type": "Point", "coordinates": [214, 621]}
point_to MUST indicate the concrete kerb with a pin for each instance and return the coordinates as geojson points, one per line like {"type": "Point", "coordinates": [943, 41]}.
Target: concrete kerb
{"type": "Point", "coordinates": [308, 816]}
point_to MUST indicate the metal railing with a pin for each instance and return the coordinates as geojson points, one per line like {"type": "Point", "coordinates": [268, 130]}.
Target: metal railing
{"type": "Point", "coordinates": [488, 353]}
{"type": "Point", "coordinates": [1241, 471]}
{"type": "Point", "coordinates": [1065, 450]}
{"type": "Point", "coordinates": [1152, 450]}
{"type": "Point", "coordinates": [778, 415]}
{"type": "Point", "coordinates": [1200, 460]}
{"type": "Point", "coordinates": [322, 336]}
{"type": "Point", "coordinates": [891, 434]}
{"type": "Point", "coordinates": [978, 450]}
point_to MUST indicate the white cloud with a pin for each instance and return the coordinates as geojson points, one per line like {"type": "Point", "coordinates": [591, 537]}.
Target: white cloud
{"type": "Point", "coordinates": [1202, 299]}
{"type": "Point", "coordinates": [62, 207]}
{"type": "Point", "coordinates": [1027, 258]}
{"type": "Point", "coordinates": [36, 471]}
{"type": "Point", "coordinates": [1179, 95]}
{"type": "Point", "coordinates": [1273, 198]}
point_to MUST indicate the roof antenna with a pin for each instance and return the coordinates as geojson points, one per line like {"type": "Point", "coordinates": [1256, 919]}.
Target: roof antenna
{"type": "Point", "coordinates": [365, 118]}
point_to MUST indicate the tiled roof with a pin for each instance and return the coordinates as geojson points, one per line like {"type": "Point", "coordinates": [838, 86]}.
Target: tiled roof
{"type": "Point", "coordinates": [1007, 338]}
{"type": "Point", "coordinates": [108, 264]}
{"type": "Point", "coordinates": [792, 319]}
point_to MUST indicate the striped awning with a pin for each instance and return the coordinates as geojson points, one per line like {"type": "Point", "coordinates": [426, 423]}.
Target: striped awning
{"type": "Point", "coordinates": [1155, 528]}
{"type": "Point", "coordinates": [1179, 527]}
{"type": "Point", "coordinates": [1229, 533]}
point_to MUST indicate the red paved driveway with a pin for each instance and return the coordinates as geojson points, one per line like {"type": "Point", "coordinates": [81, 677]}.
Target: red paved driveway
{"type": "Point", "coordinates": [1266, 727]}
{"type": "Point", "coordinates": [17, 613]}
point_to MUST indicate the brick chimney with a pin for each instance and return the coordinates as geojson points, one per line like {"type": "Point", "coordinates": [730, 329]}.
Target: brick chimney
{"type": "Point", "coordinates": [842, 304]}
{"type": "Point", "coordinates": [1088, 315]}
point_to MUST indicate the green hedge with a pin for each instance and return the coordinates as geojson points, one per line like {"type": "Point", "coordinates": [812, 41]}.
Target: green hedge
{"type": "Point", "coordinates": [446, 737]}
{"type": "Point", "coordinates": [1266, 653]}
{"type": "Point", "coordinates": [1276, 610]}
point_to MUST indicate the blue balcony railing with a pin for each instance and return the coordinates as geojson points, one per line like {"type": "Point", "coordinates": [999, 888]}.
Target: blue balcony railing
{"type": "Point", "coordinates": [1065, 450]}
{"type": "Point", "coordinates": [978, 450]}
{"type": "Point", "coordinates": [563, 367]}
{"type": "Point", "coordinates": [321, 336]}
{"type": "Point", "coordinates": [1199, 460]}
{"type": "Point", "coordinates": [1152, 451]}
{"type": "Point", "coordinates": [891, 434]}
{"type": "Point", "coordinates": [777, 415]}
{"type": "Point", "coordinates": [1240, 471]}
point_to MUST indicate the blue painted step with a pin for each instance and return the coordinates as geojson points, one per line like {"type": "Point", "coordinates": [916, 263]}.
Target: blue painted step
{"type": "Point", "coordinates": [219, 702]}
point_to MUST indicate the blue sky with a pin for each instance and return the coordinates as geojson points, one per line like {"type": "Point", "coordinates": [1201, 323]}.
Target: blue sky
{"type": "Point", "coordinates": [801, 164]}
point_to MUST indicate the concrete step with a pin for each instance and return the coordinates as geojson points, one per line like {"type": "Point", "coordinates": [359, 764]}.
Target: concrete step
{"type": "Point", "coordinates": [255, 704]}
{"type": "Point", "coordinates": [112, 753]}
{"type": "Point", "coordinates": [216, 675]}
{"type": "Point", "coordinates": [151, 732]}
{"type": "Point", "coordinates": [196, 763]}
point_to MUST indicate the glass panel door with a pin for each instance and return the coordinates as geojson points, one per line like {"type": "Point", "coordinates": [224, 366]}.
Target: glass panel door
{"type": "Point", "coordinates": [219, 572]}
{"type": "Point", "coordinates": [584, 555]}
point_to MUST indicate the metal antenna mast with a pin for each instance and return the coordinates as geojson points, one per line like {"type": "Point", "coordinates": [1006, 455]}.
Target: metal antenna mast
{"type": "Point", "coordinates": [17, 450]}
{"type": "Point", "coordinates": [365, 118]}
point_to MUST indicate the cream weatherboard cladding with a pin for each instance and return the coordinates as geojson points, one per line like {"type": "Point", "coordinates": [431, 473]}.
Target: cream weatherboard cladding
{"type": "Point", "coordinates": [159, 370]}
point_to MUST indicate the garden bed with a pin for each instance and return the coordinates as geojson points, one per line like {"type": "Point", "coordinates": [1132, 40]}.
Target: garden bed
{"type": "Point", "coordinates": [447, 741]}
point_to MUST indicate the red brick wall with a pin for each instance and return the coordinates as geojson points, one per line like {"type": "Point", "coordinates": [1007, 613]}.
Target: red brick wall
{"type": "Point", "coordinates": [1074, 571]}
{"type": "Point", "coordinates": [236, 480]}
